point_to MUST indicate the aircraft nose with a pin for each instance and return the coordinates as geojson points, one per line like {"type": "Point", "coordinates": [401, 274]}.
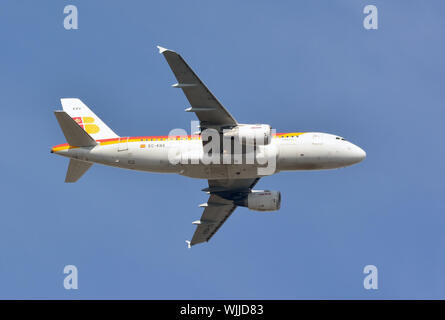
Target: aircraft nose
{"type": "Point", "coordinates": [358, 154]}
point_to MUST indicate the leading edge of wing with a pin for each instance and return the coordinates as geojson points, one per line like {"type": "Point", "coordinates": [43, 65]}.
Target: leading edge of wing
{"type": "Point", "coordinates": [206, 106]}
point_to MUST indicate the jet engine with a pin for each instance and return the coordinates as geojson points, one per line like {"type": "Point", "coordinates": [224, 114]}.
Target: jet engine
{"type": "Point", "coordinates": [251, 134]}
{"type": "Point", "coordinates": [262, 200]}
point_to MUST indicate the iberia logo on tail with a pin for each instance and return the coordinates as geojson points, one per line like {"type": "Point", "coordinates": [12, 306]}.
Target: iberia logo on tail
{"type": "Point", "coordinates": [87, 123]}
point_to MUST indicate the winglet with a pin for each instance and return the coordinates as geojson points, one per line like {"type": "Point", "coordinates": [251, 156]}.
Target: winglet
{"type": "Point", "coordinates": [189, 245]}
{"type": "Point", "coordinates": [161, 49]}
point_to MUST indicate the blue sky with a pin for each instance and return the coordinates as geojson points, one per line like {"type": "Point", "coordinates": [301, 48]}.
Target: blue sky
{"type": "Point", "coordinates": [297, 65]}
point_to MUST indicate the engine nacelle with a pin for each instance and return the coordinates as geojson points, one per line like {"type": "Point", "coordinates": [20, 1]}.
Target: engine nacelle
{"type": "Point", "coordinates": [263, 200]}
{"type": "Point", "coordinates": [251, 134]}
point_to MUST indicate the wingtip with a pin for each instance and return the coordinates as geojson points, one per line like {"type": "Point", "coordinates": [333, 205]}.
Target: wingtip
{"type": "Point", "coordinates": [189, 245]}
{"type": "Point", "coordinates": [162, 49]}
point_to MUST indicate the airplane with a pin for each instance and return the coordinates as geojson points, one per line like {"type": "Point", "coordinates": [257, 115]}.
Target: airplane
{"type": "Point", "coordinates": [231, 177]}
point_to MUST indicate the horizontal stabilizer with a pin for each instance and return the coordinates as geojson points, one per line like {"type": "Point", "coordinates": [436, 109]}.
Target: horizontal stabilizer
{"type": "Point", "coordinates": [76, 169]}
{"type": "Point", "coordinates": [73, 133]}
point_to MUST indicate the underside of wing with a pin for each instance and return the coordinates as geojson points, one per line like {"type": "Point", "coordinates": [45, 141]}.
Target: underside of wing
{"type": "Point", "coordinates": [208, 109]}
{"type": "Point", "coordinates": [219, 207]}
{"type": "Point", "coordinates": [216, 212]}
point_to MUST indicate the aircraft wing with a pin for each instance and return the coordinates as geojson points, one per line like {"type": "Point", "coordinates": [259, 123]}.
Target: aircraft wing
{"type": "Point", "coordinates": [208, 109]}
{"type": "Point", "coordinates": [219, 207]}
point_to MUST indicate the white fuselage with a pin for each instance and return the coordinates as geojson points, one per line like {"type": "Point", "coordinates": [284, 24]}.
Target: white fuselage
{"type": "Point", "coordinates": [288, 151]}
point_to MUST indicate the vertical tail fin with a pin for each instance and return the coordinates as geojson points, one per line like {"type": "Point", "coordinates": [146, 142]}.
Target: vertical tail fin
{"type": "Point", "coordinates": [86, 119]}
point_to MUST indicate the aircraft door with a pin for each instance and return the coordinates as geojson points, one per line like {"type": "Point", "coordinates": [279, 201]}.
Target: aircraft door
{"type": "Point", "coordinates": [317, 139]}
{"type": "Point", "coordinates": [123, 144]}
